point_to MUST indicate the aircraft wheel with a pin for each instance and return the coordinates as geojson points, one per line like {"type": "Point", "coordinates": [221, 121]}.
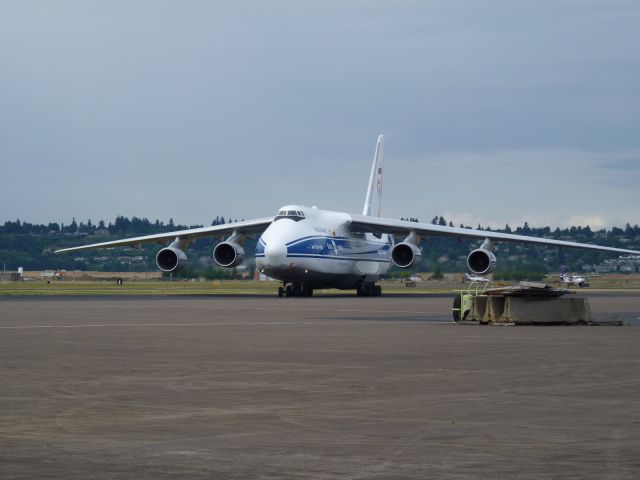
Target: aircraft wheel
{"type": "Point", "coordinates": [297, 291]}
{"type": "Point", "coordinates": [280, 292]}
{"type": "Point", "coordinates": [457, 304]}
{"type": "Point", "coordinates": [369, 290]}
{"type": "Point", "coordinates": [288, 291]}
{"type": "Point", "coordinates": [307, 291]}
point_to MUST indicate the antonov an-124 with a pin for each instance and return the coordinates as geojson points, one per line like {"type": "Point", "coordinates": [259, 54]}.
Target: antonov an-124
{"type": "Point", "coordinates": [307, 248]}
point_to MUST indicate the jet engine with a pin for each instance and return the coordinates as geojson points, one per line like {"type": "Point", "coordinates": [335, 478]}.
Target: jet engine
{"type": "Point", "coordinates": [481, 261]}
{"type": "Point", "coordinates": [228, 254]}
{"type": "Point", "coordinates": [405, 254]}
{"type": "Point", "coordinates": [171, 259]}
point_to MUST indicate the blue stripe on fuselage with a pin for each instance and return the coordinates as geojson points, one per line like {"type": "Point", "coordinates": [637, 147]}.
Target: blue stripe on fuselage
{"type": "Point", "coordinates": [336, 248]}
{"type": "Point", "coordinates": [335, 239]}
{"type": "Point", "coordinates": [333, 257]}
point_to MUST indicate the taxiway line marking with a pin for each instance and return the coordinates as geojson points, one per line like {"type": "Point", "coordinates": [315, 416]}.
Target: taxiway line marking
{"type": "Point", "coordinates": [213, 324]}
{"type": "Point", "coordinates": [103, 325]}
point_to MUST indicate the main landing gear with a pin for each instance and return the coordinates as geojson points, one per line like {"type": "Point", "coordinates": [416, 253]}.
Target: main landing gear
{"type": "Point", "coordinates": [369, 289]}
{"type": "Point", "coordinates": [295, 290]}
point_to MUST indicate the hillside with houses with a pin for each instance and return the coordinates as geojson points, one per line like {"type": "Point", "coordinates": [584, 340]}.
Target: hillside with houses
{"type": "Point", "coordinates": [27, 245]}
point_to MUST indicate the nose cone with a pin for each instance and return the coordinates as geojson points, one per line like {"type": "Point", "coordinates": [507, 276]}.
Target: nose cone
{"type": "Point", "coordinates": [275, 253]}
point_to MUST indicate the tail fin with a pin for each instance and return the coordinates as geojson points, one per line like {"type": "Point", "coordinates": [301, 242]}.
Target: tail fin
{"type": "Point", "coordinates": [373, 201]}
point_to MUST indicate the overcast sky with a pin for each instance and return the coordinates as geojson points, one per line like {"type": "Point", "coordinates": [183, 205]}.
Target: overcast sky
{"type": "Point", "coordinates": [493, 111]}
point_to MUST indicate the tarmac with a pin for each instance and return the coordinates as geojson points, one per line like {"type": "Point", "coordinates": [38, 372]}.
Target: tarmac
{"type": "Point", "coordinates": [324, 387]}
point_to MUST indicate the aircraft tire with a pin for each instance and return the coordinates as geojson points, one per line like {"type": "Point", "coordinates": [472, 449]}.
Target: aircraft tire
{"type": "Point", "coordinates": [280, 292]}
{"type": "Point", "coordinates": [457, 304]}
{"type": "Point", "coordinates": [288, 291]}
{"type": "Point", "coordinates": [369, 290]}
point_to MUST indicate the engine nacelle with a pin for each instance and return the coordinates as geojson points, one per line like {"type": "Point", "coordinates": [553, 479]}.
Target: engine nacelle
{"type": "Point", "coordinates": [228, 254]}
{"type": "Point", "coordinates": [405, 254]}
{"type": "Point", "coordinates": [481, 261]}
{"type": "Point", "coordinates": [171, 259]}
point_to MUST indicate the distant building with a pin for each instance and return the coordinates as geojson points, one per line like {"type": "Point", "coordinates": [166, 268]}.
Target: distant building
{"type": "Point", "coordinates": [10, 276]}
{"type": "Point", "coordinates": [625, 264]}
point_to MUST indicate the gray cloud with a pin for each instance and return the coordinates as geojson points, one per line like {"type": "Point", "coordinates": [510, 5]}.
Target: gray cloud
{"type": "Point", "coordinates": [196, 108]}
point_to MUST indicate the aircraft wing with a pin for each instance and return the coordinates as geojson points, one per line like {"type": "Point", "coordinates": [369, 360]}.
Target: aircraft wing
{"type": "Point", "coordinates": [362, 223]}
{"type": "Point", "coordinates": [246, 227]}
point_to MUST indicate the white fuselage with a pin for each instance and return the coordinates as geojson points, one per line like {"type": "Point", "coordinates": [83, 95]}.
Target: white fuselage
{"type": "Point", "coordinates": [316, 247]}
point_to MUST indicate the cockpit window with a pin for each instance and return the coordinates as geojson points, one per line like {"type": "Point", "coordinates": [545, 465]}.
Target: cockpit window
{"type": "Point", "coordinates": [295, 215]}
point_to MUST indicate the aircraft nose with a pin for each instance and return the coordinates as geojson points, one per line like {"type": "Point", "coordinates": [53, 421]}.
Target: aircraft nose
{"type": "Point", "coordinates": [275, 252]}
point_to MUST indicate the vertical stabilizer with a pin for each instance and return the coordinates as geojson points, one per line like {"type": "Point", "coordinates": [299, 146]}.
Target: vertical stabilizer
{"type": "Point", "coordinates": [373, 201]}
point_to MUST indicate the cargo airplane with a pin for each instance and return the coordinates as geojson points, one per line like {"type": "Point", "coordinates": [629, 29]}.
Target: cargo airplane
{"type": "Point", "coordinates": [307, 248]}
{"type": "Point", "coordinates": [579, 280]}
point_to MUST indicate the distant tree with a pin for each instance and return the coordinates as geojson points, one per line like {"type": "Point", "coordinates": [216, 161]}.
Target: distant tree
{"type": "Point", "coordinates": [12, 227]}
{"type": "Point", "coordinates": [73, 227]}
{"type": "Point", "coordinates": [437, 274]}
{"type": "Point", "coordinates": [121, 225]}
{"type": "Point", "coordinates": [526, 229]}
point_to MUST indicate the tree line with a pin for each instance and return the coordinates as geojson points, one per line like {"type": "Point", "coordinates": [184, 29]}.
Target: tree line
{"type": "Point", "coordinates": [31, 245]}
{"type": "Point", "coordinates": [121, 226]}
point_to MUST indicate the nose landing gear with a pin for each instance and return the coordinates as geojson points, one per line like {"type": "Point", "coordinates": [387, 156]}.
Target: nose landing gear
{"type": "Point", "coordinates": [295, 290]}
